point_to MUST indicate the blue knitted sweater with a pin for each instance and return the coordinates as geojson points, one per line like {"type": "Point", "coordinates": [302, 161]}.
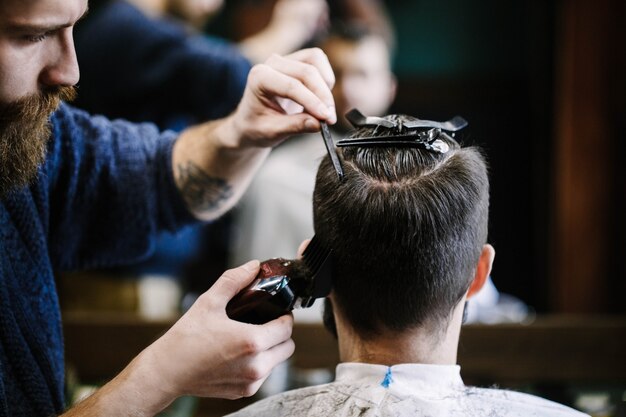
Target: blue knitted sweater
{"type": "Point", "coordinates": [102, 194]}
{"type": "Point", "coordinates": [141, 68]}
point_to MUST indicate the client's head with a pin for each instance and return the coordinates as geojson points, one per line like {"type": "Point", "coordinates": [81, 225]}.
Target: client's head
{"type": "Point", "coordinates": [407, 227]}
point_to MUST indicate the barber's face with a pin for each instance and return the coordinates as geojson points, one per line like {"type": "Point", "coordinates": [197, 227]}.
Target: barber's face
{"type": "Point", "coordinates": [37, 69]}
{"type": "Point", "coordinates": [363, 76]}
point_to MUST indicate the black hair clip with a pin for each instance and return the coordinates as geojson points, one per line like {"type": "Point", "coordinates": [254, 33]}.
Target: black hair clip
{"type": "Point", "coordinates": [414, 132]}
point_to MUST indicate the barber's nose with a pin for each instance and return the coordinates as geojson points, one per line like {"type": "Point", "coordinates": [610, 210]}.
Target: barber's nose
{"type": "Point", "coordinates": [62, 68]}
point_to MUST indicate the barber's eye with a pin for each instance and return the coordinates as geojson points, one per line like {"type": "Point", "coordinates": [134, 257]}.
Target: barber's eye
{"type": "Point", "coordinates": [36, 38]}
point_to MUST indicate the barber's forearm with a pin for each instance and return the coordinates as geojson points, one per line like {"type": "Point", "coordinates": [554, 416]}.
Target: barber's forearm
{"type": "Point", "coordinates": [211, 169]}
{"type": "Point", "coordinates": [135, 392]}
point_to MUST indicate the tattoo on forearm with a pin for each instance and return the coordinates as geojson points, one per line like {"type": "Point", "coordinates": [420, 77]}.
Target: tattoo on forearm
{"type": "Point", "coordinates": [202, 192]}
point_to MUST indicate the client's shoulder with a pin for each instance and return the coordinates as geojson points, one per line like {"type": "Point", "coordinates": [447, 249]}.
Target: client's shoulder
{"type": "Point", "coordinates": [298, 402]}
{"type": "Point", "coordinates": [512, 403]}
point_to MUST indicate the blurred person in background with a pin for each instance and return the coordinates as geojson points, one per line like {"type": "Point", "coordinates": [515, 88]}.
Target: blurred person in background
{"type": "Point", "coordinates": [292, 24]}
{"type": "Point", "coordinates": [370, 13]}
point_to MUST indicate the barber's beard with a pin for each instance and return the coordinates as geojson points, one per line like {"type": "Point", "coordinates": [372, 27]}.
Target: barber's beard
{"type": "Point", "coordinates": [24, 134]}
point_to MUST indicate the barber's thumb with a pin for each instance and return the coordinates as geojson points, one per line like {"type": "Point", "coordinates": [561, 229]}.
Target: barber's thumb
{"type": "Point", "coordinates": [234, 280]}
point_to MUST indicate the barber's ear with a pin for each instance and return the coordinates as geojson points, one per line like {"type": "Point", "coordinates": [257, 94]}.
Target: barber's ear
{"type": "Point", "coordinates": [302, 247]}
{"type": "Point", "coordinates": [483, 269]}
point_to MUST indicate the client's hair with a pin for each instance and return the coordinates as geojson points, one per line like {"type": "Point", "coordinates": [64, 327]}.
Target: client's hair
{"type": "Point", "coordinates": [406, 226]}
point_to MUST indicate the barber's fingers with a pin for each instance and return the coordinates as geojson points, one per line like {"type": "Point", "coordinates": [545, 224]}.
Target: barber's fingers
{"type": "Point", "coordinates": [317, 58]}
{"type": "Point", "coordinates": [276, 128]}
{"type": "Point", "coordinates": [236, 390]}
{"type": "Point", "coordinates": [257, 370]}
{"type": "Point", "coordinates": [269, 335]}
{"type": "Point", "coordinates": [302, 247]}
{"type": "Point", "coordinates": [231, 282]}
{"type": "Point", "coordinates": [275, 355]}
{"type": "Point", "coordinates": [268, 83]}
{"type": "Point", "coordinates": [254, 338]}
{"type": "Point", "coordinates": [309, 74]}
{"type": "Point", "coordinates": [259, 366]}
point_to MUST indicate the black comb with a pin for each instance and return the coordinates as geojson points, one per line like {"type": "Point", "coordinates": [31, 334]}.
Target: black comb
{"type": "Point", "coordinates": [317, 259]}
{"type": "Point", "coordinates": [330, 147]}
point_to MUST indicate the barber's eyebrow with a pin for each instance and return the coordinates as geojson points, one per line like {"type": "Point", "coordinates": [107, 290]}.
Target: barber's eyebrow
{"type": "Point", "coordinates": [34, 27]}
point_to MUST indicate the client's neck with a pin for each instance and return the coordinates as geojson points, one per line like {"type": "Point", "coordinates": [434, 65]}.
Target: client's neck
{"type": "Point", "coordinates": [411, 346]}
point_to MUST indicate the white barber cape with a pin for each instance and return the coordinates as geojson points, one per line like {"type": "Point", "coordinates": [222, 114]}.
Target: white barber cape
{"type": "Point", "coordinates": [367, 390]}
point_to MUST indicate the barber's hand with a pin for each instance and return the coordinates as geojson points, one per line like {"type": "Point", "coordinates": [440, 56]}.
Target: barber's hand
{"type": "Point", "coordinates": [284, 96]}
{"type": "Point", "coordinates": [207, 354]}
{"type": "Point", "coordinates": [214, 162]}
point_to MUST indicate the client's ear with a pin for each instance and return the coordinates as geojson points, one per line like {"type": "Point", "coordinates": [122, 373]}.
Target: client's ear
{"type": "Point", "coordinates": [483, 269]}
{"type": "Point", "coordinates": [302, 247]}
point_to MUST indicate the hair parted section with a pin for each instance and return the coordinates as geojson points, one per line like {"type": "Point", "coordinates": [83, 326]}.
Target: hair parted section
{"type": "Point", "coordinates": [406, 227]}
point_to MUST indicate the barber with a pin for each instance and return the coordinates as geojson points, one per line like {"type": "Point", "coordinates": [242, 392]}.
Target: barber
{"type": "Point", "coordinates": [79, 191]}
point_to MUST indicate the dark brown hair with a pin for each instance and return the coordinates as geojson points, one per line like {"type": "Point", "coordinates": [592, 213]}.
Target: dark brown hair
{"type": "Point", "coordinates": [406, 226]}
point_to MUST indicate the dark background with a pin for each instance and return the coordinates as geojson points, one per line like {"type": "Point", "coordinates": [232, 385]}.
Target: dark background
{"type": "Point", "coordinates": [491, 62]}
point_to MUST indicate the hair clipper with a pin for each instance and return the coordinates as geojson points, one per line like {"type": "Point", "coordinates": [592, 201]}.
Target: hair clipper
{"type": "Point", "coordinates": [283, 285]}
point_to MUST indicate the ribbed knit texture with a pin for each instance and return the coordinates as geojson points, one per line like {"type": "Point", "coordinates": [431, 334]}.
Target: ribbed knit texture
{"type": "Point", "coordinates": [99, 200]}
